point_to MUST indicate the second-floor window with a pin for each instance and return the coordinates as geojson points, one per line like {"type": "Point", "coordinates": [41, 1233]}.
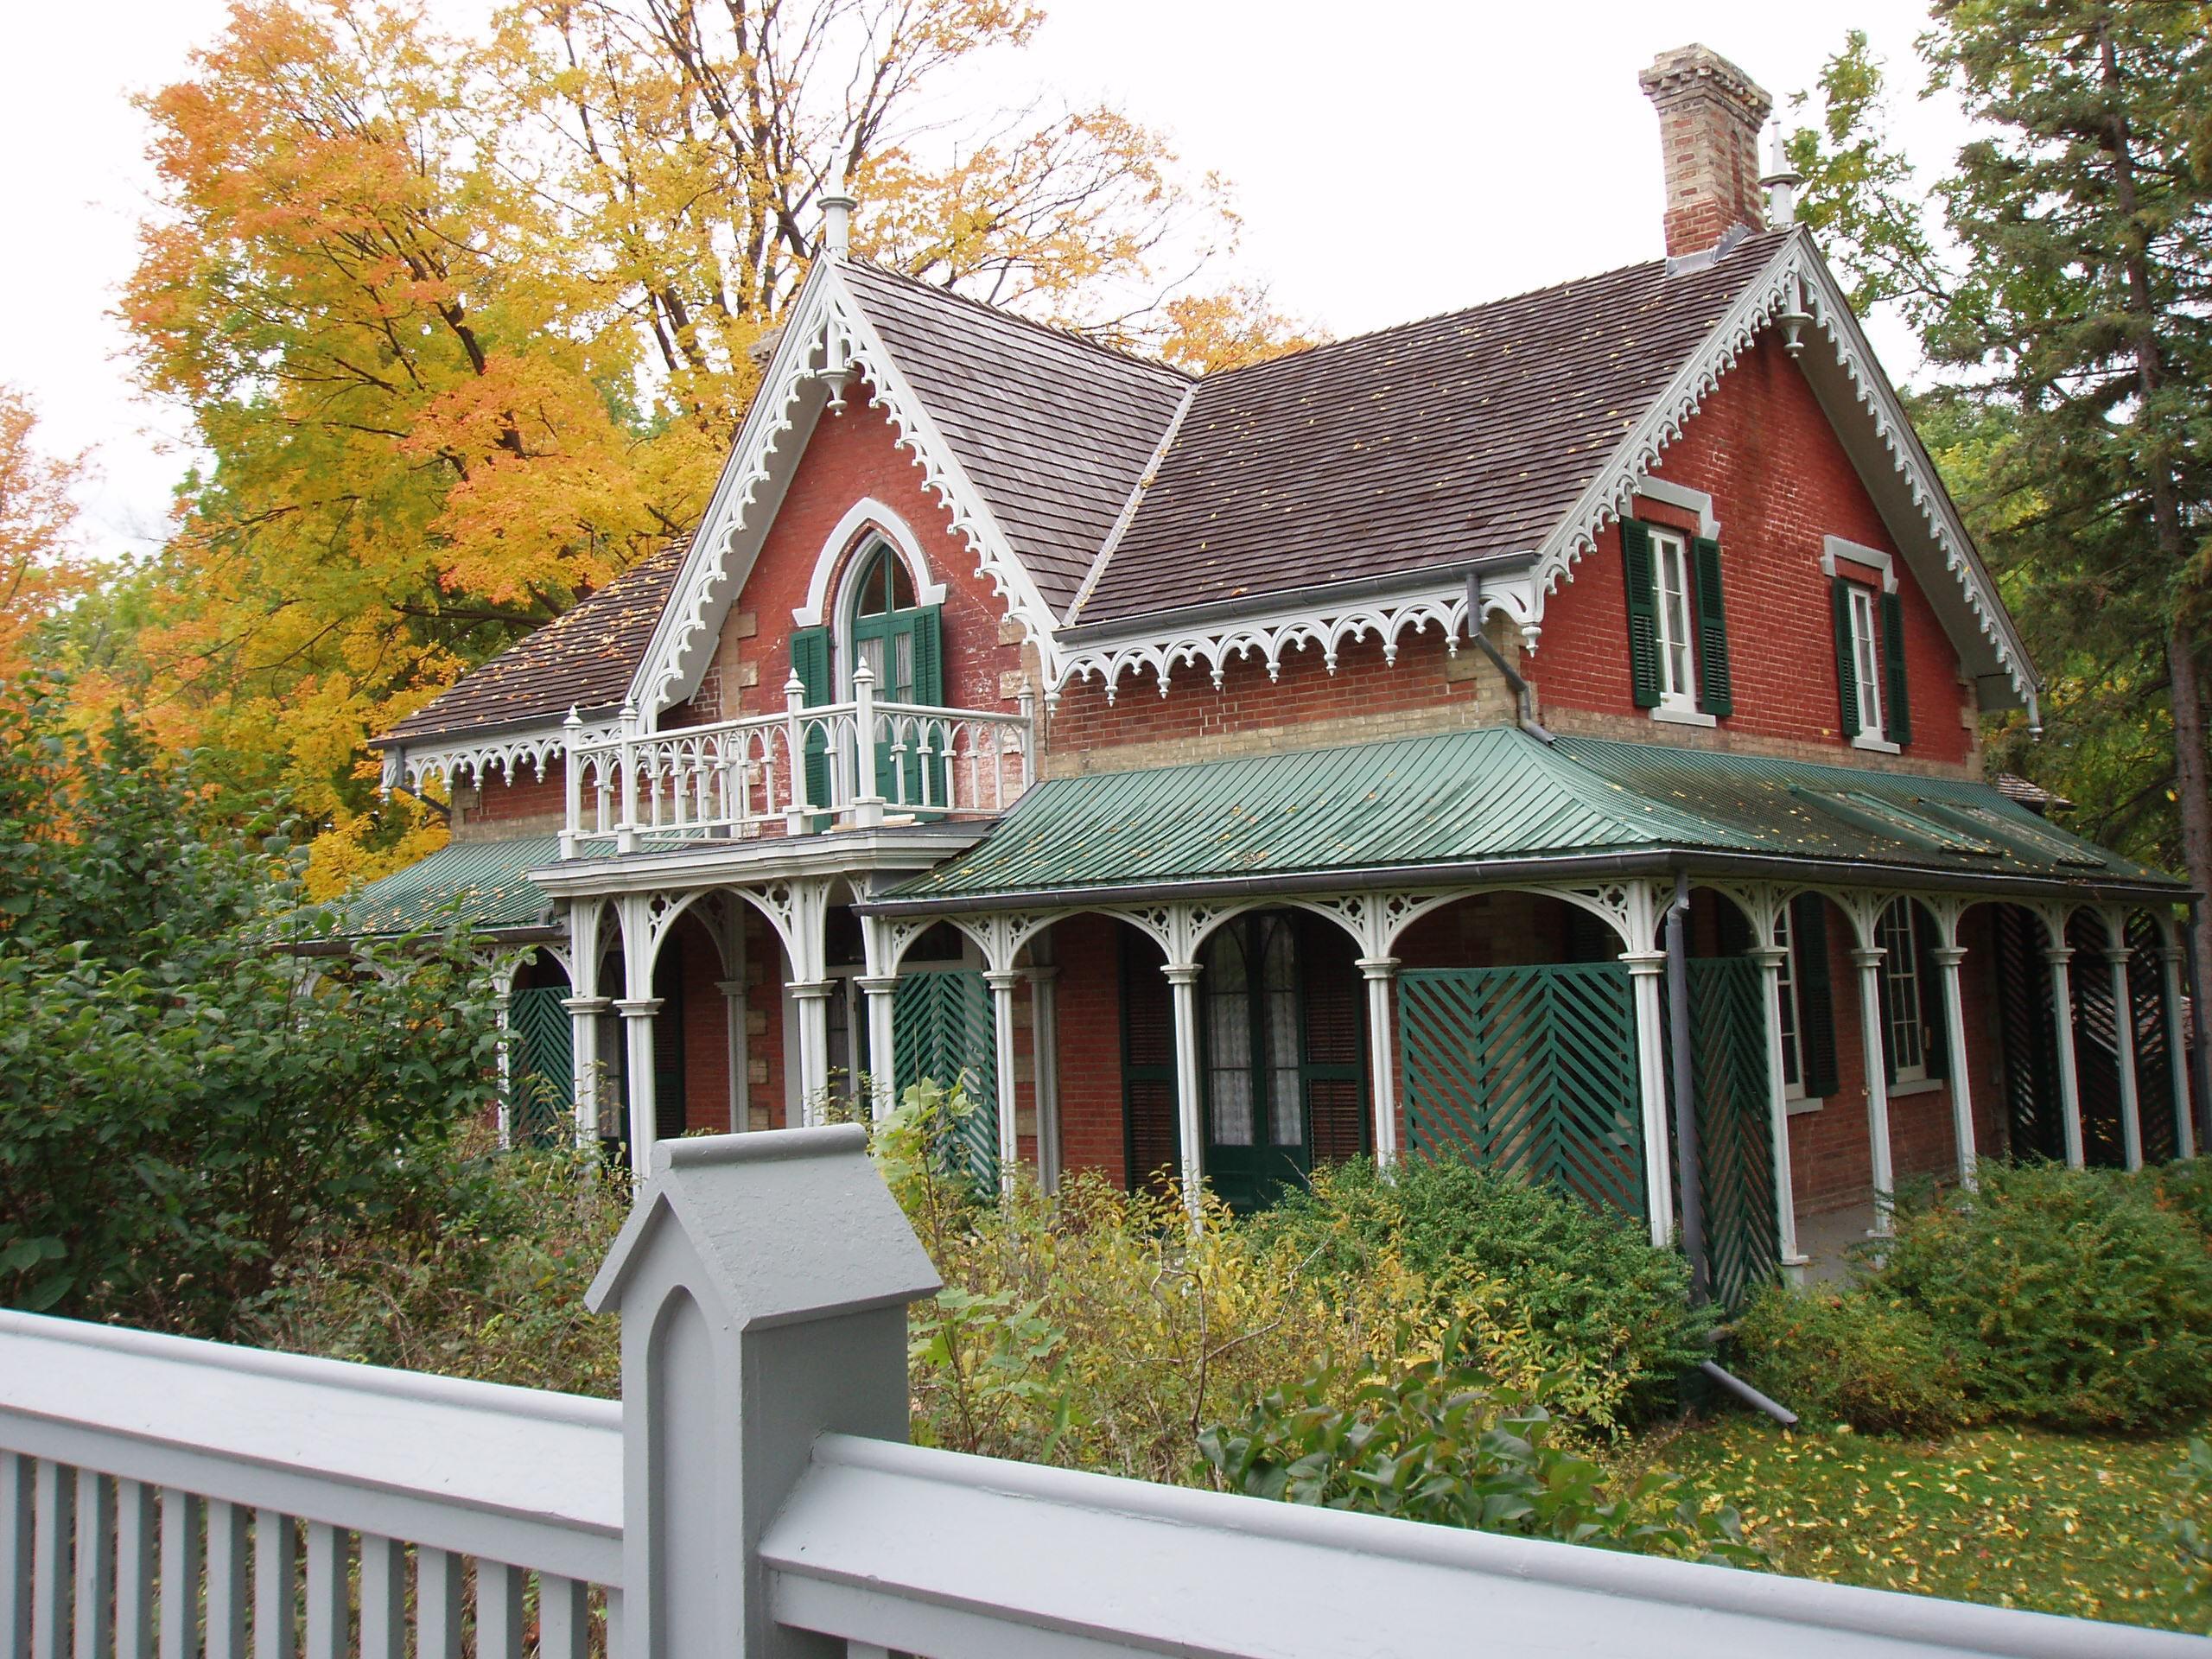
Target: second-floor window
{"type": "Point", "coordinates": [1870, 665]}
{"type": "Point", "coordinates": [1866, 659]}
{"type": "Point", "coordinates": [1677, 624]}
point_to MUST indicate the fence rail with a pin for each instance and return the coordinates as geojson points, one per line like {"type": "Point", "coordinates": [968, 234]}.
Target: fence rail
{"type": "Point", "coordinates": [161, 1494]}
{"type": "Point", "coordinates": [859, 761]}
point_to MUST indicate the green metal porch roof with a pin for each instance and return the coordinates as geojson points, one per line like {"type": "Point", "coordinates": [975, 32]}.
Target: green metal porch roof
{"type": "Point", "coordinates": [478, 881]}
{"type": "Point", "coordinates": [1499, 795]}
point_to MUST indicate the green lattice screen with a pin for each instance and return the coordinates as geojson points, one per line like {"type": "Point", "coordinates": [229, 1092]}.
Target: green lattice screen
{"type": "Point", "coordinates": [1735, 1125]}
{"type": "Point", "coordinates": [1530, 1069]}
{"type": "Point", "coordinates": [541, 1067]}
{"type": "Point", "coordinates": [941, 1029]}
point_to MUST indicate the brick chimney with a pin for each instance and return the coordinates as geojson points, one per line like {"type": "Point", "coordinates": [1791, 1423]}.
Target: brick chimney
{"type": "Point", "coordinates": [1710, 113]}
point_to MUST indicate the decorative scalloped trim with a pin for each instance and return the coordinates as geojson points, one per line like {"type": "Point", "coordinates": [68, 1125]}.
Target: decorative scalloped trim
{"type": "Point", "coordinates": [475, 761]}
{"type": "Point", "coordinates": [1797, 273]}
{"type": "Point", "coordinates": [1270, 637]}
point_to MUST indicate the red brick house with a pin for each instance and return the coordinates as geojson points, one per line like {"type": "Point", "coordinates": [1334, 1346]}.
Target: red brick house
{"type": "Point", "coordinates": [1234, 773]}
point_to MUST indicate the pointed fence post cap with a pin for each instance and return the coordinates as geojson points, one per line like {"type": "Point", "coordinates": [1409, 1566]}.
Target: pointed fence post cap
{"type": "Point", "coordinates": [791, 1225]}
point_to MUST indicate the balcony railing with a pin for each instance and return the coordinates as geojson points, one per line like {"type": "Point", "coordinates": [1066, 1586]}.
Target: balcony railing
{"type": "Point", "coordinates": [850, 765]}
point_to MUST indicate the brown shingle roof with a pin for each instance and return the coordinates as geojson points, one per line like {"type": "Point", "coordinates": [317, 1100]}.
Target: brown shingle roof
{"type": "Point", "coordinates": [1431, 444]}
{"type": "Point", "coordinates": [583, 659]}
{"type": "Point", "coordinates": [1053, 431]}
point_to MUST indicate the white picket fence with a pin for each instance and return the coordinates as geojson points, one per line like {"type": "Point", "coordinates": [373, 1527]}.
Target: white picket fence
{"type": "Point", "coordinates": [162, 1496]}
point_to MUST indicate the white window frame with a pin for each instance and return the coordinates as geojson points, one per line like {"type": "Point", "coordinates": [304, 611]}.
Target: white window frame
{"type": "Point", "coordinates": [1898, 934]}
{"type": "Point", "coordinates": [1792, 1018]}
{"type": "Point", "coordinates": [1866, 663]}
{"type": "Point", "coordinates": [1672, 546]}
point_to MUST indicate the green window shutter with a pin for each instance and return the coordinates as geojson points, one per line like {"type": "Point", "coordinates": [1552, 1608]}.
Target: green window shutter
{"type": "Point", "coordinates": [810, 662]}
{"type": "Point", "coordinates": [929, 657]}
{"type": "Point", "coordinates": [1846, 678]}
{"type": "Point", "coordinates": [1643, 614]}
{"type": "Point", "coordinates": [1808, 931]}
{"type": "Point", "coordinates": [1936, 1047]}
{"type": "Point", "coordinates": [1899, 723]}
{"type": "Point", "coordinates": [1715, 696]}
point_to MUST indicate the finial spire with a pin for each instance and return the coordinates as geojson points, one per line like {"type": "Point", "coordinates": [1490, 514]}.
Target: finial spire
{"type": "Point", "coordinates": [837, 206]}
{"type": "Point", "coordinates": [1781, 181]}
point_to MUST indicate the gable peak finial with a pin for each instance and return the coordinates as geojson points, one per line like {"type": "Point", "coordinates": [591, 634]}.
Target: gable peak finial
{"type": "Point", "coordinates": [837, 205]}
{"type": "Point", "coordinates": [1780, 181]}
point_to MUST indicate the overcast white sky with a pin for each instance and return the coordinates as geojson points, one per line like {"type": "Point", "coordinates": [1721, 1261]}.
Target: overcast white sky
{"type": "Point", "coordinates": [1392, 158]}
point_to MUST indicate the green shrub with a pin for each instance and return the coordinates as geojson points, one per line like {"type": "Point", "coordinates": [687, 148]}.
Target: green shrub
{"type": "Point", "coordinates": [1850, 1358]}
{"type": "Point", "coordinates": [1431, 1442]}
{"type": "Point", "coordinates": [1610, 1312]}
{"type": "Point", "coordinates": [2188, 1529]}
{"type": "Point", "coordinates": [2070, 1297]}
{"type": "Point", "coordinates": [2185, 1188]}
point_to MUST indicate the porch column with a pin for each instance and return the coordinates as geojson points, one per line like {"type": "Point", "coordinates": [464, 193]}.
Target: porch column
{"type": "Point", "coordinates": [1876, 1065]}
{"type": "Point", "coordinates": [2177, 1053]}
{"type": "Point", "coordinates": [1644, 968]}
{"type": "Point", "coordinates": [584, 1014]}
{"type": "Point", "coordinates": [636, 1013]}
{"type": "Point", "coordinates": [1770, 959]}
{"type": "Point", "coordinates": [1183, 983]}
{"type": "Point", "coordinates": [1002, 981]}
{"type": "Point", "coordinates": [2123, 1048]}
{"type": "Point", "coordinates": [740, 1108]}
{"type": "Point", "coordinates": [2061, 1014]}
{"type": "Point", "coordinates": [882, 1061]}
{"type": "Point", "coordinates": [811, 998]}
{"type": "Point", "coordinates": [502, 1006]}
{"type": "Point", "coordinates": [1948, 959]}
{"type": "Point", "coordinates": [1045, 1064]}
{"type": "Point", "coordinates": [1382, 973]}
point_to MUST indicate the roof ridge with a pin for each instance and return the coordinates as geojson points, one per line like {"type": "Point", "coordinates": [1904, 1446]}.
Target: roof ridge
{"type": "Point", "coordinates": [1054, 330]}
{"type": "Point", "coordinates": [1665, 267]}
{"type": "Point", "coordinates": [1128, 515]}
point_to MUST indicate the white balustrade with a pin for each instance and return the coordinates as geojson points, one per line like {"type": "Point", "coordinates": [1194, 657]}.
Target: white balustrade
{"type": "Point", "coordinates": [152, 1488]}
{"type": "Point", "coordinates": [736, 778]}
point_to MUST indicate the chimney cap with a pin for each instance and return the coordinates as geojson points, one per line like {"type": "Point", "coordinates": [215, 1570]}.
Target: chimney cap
{"type": "Point", "coordinates": [1684, 70]}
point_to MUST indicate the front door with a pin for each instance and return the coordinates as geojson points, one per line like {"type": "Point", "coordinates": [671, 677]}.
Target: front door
{"type": "Point", "coordinates": [1257, 1139]}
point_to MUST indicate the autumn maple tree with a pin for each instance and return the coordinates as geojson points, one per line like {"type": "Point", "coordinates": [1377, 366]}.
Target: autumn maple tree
{"type": "Point", "coordinates": [41, 564]}
{"type": "Point", "coordinates": [464, 321]}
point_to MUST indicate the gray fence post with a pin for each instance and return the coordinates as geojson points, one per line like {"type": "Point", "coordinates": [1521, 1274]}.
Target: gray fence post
{"type": "Point", "coordinates": [763, 1281]}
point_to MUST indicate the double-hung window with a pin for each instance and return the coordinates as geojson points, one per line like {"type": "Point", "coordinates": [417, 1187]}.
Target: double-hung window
{"type": "Point", "coordinates": [1870, 663]}
{"type": "Point", "coordinates": [1866, 659]}
{"type": "Point", "coordinates": [1670, 561]}
{"type": "Point", "coordinates": [1677, 624]}
{"type": "Point", "coordinates": [1793, 1046]}
{"type": "Point", "coordinates": [1902, 993]}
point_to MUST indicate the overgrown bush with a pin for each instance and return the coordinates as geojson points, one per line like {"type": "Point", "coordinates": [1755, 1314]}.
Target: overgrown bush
{"type": "Point", "coordinates": [2188, 1529]}
{"type": "Point", "coordinates": [1851, 1356]}
{"type": "Point", "coordinates": [1551, 1286]}
{"type": "Point", "coordinates": [2070, 1296]}
{"type": "Point", "coordinates": [185, 1101]}
{"type": "Point", "coordinates": [1429, 1441]}
{"type": "Point", "coordinates": [2185, 1187]}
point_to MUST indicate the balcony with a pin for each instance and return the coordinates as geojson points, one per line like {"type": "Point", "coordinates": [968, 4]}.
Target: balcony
{"type": "Point", "coordinates": [855, 765]}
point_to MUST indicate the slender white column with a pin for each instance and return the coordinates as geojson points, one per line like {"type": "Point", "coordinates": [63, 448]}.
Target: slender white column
{"type": "Point", "coordinates": [636, 1013]}
{"type": "Point", "coordinates": [502, 1008]}
{"type": "Point", "coordinates": [1644, 968]}
{"type": "Point", "coordinates": [1770, 959]}
{"type": "Point", "coordinates": [1381, 973]}
{"type": "Point", "coordinates": [1190, 1116]}
{"type": "Point", "coordinates": [732, 992]}
{"type": "Point", "coordinates": [1002, 983]}
{"type": "Point", "coordinates": [811, 998]}
{"type": "Point", "coordinates": [584, 1014]}
{"type": "Point", "coordinates": [881, 989]}
{"type": "Point", "coordinates": [2176, 1054]}
{"type": "Point", "coordinates": [1960, 1084]}
{"type": "Point", "coordinates": [2069, 1079]}
{"type": "Point", "coordinates": [2123, 1048]}
{"type": "Point", "coordinates": [1045, 1055]}
{"type": "Point", "coordinates": [1876, 1066]}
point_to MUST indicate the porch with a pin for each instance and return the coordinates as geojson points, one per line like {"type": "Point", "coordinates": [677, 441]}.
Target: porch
{"type": "Point", "coordinates": [1161, 971]}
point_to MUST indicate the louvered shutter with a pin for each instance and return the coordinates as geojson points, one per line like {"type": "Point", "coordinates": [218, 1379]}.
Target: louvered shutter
{"type": "Point", "coordinates": [1808, 932]}
{"type": "Point", "coordinates": [1846, 676]}
{"type": "Point", "coordinates": [1715, 696]}
{"type": "Point", "coordinates": [1899, 723]}
{"type": "Point", "coordinates": [1643, 614]}
{"type": "Point", "coordinates": [810, 662]}
{"type": "Point", "coordinates": [929, 656]}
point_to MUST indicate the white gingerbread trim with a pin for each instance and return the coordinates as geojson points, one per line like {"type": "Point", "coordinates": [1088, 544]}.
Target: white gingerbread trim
{"type": "Point", "coordinates": [473, 760]}
{"type": "Point", "coordinates": [867, 514]}
{"type": "Point", "coordinates": [1794, 278]}
{"type": "Point", "coordinates": [1271, 635]}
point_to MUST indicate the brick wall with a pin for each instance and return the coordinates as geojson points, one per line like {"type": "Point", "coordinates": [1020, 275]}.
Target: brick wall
{"type": "Point", "coordinates": [1089, 949]}
{"type": "Point", "coordinates": [1781, 483]}
{"type": "Point", "coordinates": [496, 809]}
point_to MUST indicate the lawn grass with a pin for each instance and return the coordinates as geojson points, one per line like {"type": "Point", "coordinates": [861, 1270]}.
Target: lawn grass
{"type": "Point", "coordinates": [2058, 1524]}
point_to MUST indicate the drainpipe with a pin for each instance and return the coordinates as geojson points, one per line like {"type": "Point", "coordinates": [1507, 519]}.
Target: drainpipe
{"type": "Point", "coordinates": [1686, 1149]}
{"type": "Point", "coordinates": [1524, 703]}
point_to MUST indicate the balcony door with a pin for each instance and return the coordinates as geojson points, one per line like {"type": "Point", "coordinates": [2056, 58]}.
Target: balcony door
{"type": "Point", "coordinates": [899, 641]}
